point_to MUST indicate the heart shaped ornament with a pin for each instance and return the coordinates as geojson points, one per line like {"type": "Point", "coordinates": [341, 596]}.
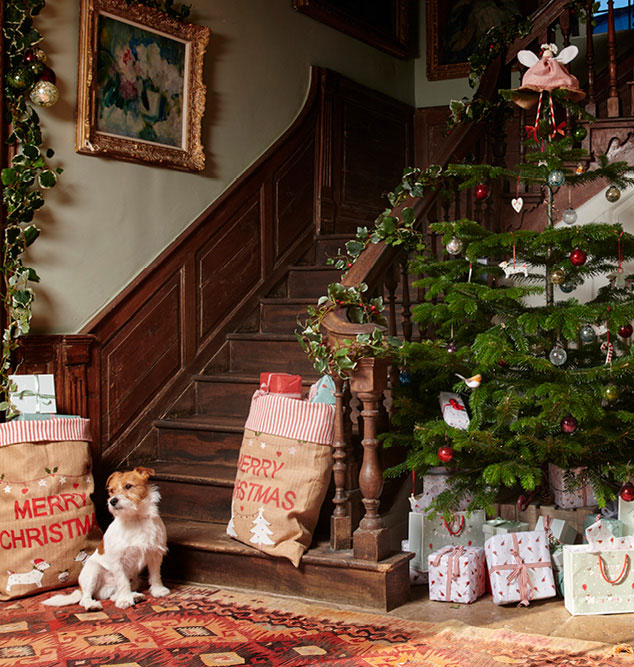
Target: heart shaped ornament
{"type": "Point", "coordinates": [517, 204]}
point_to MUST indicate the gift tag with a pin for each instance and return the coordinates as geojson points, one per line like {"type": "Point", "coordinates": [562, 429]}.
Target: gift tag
{"type": "Point", "coordinates": [517, 204]}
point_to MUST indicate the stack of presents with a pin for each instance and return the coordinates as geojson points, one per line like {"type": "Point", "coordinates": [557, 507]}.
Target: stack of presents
{"type": "Point", "coordinates": [566, 549]}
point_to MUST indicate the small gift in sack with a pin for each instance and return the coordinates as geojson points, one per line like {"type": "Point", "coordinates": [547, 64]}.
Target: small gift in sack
{"type": "Point", "coordinates": [33, 394]}
{"type": "Point", "coordinates": [456, 574]}
{"type": "Point", "coordinates": [598, 576]}
{"type": "Point", "coordinates": [284, 470]}
{"type": "Point", "coordinates": [47, 518]}
{"type": "Point", "coordinates": [454, 411]}
{"type": "Point", "coordinates": [282, 383]}
{"type": "Point", "coordinates": [580, 496]}
{"type": "Point", "coordinates": [520, 567]}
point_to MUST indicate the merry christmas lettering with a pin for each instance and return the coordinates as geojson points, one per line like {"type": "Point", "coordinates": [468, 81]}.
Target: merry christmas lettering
{"type": "Point", "coordinates": [26, 538]}
{"type": "Point", "coordinates": [48, 505]}
{"type": "Point", "coordinates": [263, 495]}
{"type": "Point", "coordinates": [257, 466]}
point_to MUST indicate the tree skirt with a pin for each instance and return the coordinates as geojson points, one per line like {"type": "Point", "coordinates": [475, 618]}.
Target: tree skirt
{"type": "Point", "coordinates": [206, 626]}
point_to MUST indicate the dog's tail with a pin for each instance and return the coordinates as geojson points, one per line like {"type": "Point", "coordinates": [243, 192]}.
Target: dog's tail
{"type": "Point", "coordinates": [61, 600]}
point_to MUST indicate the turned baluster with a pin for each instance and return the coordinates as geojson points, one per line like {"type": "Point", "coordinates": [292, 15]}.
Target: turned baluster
{"type": "Point", "coordinates": [391, 282]}
{"type": "Point", "coordinates": [564, 24]}
{"type": "Point", "coordinates": [340, 521]}
{"type": "Point", "coordinates": [591, 104]}
{"type": "Point", "coordinates": [614, 106]}
{"type": "Point", "coordinates": [371, 539]}
{"type": "Point", "coordinates": [407, 313]}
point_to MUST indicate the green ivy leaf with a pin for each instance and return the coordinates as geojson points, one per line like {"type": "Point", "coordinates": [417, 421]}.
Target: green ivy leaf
{"type": "Point", "coordinates": [8, 176]}
{"type": "Point", "coordinates": [48, 178]}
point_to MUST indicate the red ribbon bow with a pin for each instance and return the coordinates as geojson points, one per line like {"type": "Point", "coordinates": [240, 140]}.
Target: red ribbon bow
{"type": "Point", "coordinates": [453, 403]}
{"type": "Point", "coordinates": [559, 128]}
{"type": "Point", "coordinates": [531, 132]}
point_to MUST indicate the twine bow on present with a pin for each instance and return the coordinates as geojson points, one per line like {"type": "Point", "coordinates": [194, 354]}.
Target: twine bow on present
{"type": "Point", "coordinates": [547, 522]}
{"type": "Point", "coordinates": [453, 565]}
{"type": "Point", "coordinates": [520, 571]}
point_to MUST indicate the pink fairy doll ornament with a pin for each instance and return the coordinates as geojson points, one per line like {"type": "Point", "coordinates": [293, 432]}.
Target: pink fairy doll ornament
{"type": "Point", "coordinates": [545, 74]}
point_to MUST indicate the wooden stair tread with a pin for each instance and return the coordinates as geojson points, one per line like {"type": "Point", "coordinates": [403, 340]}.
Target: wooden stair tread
{"type": "Point", "coordinates": [213, 537]}
{"type": "Point", "coordinates": [240, 378]}
{"type": "Point", "coordinates": [201, 473]}
{"type": "Point", "coordinates": [256, 335]}
{"type": "Point", "coordinates": [288, 301]}
{"type": "Point", "coordinates": [203, 423]}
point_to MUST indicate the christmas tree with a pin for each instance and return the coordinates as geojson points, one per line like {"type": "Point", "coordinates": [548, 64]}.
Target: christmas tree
{"type": "Point", "coordinates": [544, 378]}
{"type": "Point", "coordinates": [261, 530]}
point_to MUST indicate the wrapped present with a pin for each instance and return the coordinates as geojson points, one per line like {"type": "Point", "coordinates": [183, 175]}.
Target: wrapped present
{"type": "Point", "coordinates": [502, 527]}
{"type": "Point", "coordinates": [323, 391]}
{"type": "Point", "coordinates": [428, 534]}
{"type": "Point", "coordinates": [454, 411]}
{"type": "Point", "coordinates": [33, 394]}
{"type": "Point", "coordinates": [520, 567]}
{"type": "Point", "coordinates": [435, 481]}
{"type": "Point", "coordinates": [557, 530]}
{"type": "Point", "coordinates": [416, 576]}
{"type": "Point", "coordinates": [456, 574]}
{"type": "Point", "coordinates": [615, 526]}
{"type": "Point", "coordinates": [564, 497]}
{"type": "Point", "coordinates": [626, 516]}
{"type": "Point", "coordinates": [598, 576]}
{"type": "Point", "coordinates": [282, 383]}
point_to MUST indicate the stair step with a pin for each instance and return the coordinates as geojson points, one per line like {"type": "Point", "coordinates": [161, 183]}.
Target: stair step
{"type": "Point", "coordinates": [254, 353]}
{"type": "Point", "coordinates": [194, 491]}
{"type": "Point", "coordinates": [311, 281]}
{"type": "Point", "coordinates": [328, 246]}
{"type": "Point", "coordinates": [229, 394]}
{"type": "Point", "coordinates": [279, 315]}
{"type": "Point", "coordinates": [203, 553]}
{"type": "Point", "coordinates": [200, 438]}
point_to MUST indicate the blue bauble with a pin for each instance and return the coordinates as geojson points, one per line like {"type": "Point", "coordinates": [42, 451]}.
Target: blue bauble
{"type": "Point", "coordinates": [556, 178]}
{"type": "Point", "coordinates": [405, 378]}
{"type": "Point", "coordinates": [587, 334]}
{"type": "Point", "coordinates": [566, 288]}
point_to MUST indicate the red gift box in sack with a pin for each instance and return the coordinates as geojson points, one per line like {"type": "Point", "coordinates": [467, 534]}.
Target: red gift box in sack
{"type": "Point", "coordinates": [282, 383]}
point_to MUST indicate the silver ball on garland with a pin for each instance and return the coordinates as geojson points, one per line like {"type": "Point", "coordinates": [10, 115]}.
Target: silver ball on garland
{"type": "Point", "coordinates": [566, 288]}
{"type": "Point", "coordinates": [556, 178]}
{"type": "Point", "coordinates": [557, 276]}
{"type": "Point", "coordinates": [558, 356]}
{"type": "Point", "coordinates": [613, 194]}
{"type": "Point", "coordinates": [587, 334]}
{"type": "Point", "coordinates": [44, 94]}
{"type": "Point", "coordinates": [454, 247]}
{"type": "Point", "coordinates": [452, 347]}
{"type": "Point", "coordinates": [569, 216]}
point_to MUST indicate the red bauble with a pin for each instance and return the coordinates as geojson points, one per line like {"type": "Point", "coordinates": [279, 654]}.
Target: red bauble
{"type": "Point", "coordinates": [503, 363]}
{"type": "Point", "coordinates": [626, 330]}
{"type": "Point", "coordinates": [30, 56]}
{"type": "Point", "coordinates": [445, 454]}
{"type": "Point", "coordinates": [48, 75]}
{"type": "Point", "coordinates": [482, 191]}
{"type": "Point", "coordinates": [569, 424]}
{"type": "Point", "coordinates": [627, 492]}
{"type": "Point", "coordinates": [578, 257]}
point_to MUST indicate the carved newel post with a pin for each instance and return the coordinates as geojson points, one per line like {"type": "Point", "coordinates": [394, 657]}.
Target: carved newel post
{"type": "Point", "coordinates": [369, 381]}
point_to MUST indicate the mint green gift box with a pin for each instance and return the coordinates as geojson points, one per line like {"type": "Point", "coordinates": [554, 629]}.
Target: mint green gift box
{"type": "Point", "coordinates": [502, 527]}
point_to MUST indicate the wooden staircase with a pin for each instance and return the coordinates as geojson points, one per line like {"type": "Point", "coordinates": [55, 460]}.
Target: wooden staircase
{"type": "Point", "coordinates": [197, 454]}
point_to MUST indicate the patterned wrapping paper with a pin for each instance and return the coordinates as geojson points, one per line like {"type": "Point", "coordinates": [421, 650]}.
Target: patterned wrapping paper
{"type": "Point", "coordinates": [520, 567]}
{"type": "Point", "coordinates": [454, 411]}
{"type": "Point", "coordinates": [434, 483]}
{"type": "Point", "coordinates": [581, 497]}
{"type": "Point", "coordinates": [502, 527]}
{"type": "Point", "coordinates": [615, 526]}
{"type": "Point", "coordinates": [456, 574]}
{"type": "Point", "coordinates": [626, 516]}
{"type": "Point", "coordinates": [557, 529]}
{"type": "Point", "coordinates": [598, 576]}
{"type": "Point", "coordinates": [428, 534]}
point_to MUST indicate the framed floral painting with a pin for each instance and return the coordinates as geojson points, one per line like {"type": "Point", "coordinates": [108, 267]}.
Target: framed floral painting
{"type": "Point", "coordinates": [140, 92]}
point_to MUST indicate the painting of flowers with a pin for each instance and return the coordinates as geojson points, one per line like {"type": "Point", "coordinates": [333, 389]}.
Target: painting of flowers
{"type": "Point", "coordinates": [140, 88]}
{"type": "Point", "coordinates": [141, 83]}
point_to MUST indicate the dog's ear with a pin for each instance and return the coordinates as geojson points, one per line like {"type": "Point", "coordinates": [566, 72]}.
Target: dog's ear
{"type": "Point", "coordinates": [109, 478]}
{"type": "Point", "coordinates": [144, 472]}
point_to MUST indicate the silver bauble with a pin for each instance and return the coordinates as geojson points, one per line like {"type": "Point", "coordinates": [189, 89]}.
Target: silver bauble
{"type": "Point", "coordinates": [44, 94]}
{"type": "Point", "coordinates": [556, 178]}
{"type": "Point", "coordinates": [569, 216]}
{"type": "Point", "coordinates": [454, 247]}
{"type": "Point", "coordinates": [558, 356]}
{"type": "Point", "coordinates": [587, 334]}
{"type": "Point", "coordinates": [613, 194]}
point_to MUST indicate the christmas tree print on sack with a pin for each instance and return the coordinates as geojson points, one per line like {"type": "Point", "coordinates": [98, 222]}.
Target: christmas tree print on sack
{"type": "Point", "coordinates": [261, 530]}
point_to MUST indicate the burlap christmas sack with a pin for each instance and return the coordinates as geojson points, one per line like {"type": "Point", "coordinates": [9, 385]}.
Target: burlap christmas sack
{"type": "Point", "coordinates": [47, 519]}
{"type": "Point", "coordinates": [283, 474]}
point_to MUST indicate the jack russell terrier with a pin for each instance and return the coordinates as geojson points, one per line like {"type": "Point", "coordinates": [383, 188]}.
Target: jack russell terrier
{"type": "Point", "coordinates": [135, 539]}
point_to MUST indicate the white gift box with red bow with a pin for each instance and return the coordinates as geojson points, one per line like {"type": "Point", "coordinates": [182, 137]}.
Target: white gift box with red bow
{"type": "Point", "coordinates": [520, 567]}
{"type": "Point", "coordinates": [456, 574]}
{"type": "Point", "coordinates": [453, 410]}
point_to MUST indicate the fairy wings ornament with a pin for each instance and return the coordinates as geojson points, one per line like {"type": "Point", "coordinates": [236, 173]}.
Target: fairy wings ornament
{"type": "Point", "coordinates": [546, 73]}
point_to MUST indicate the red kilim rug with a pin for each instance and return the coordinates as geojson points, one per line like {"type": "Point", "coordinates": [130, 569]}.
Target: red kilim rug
{"type": "Point", "coordinates": [205, 626]}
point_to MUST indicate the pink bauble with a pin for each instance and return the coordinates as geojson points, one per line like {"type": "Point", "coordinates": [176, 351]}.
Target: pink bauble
{"type": "Point", "coordinates": [626, 330]}
{"type": "Point", "coordinates": [569, 424]}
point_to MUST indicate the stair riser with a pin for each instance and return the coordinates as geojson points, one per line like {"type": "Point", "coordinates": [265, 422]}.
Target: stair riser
{"type": "Point", "coordinates": [256, 356]}
{"type": "Point", "coordinates": [196, 502]}
{"type": "Point", "coordinates": [193, 445]}
{"type": "Point", "coordinates": [326, 248]}
{"type": "Point", "coordinates": [224, 399]}
{"type": "Point", "coordinates": [280, 318]}
{"type": "Point", "coordinates": [313, 284]}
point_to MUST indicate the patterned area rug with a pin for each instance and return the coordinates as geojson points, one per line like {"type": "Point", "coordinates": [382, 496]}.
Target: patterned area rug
{"type": "Point", "coordinates": [205, 626]}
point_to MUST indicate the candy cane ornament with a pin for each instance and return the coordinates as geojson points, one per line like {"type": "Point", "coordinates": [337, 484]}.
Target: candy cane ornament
{"type": "Point", "coordinates": [609, 348]}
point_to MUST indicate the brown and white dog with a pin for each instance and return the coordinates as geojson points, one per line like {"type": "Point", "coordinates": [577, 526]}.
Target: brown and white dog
{"type": "Point", "coordinates": [135, 539]}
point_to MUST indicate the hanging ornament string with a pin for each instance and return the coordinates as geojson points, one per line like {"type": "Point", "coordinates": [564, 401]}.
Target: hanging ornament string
{"type": "Point", "coordinates": [531, 131]}
{"type": "Point", "coordinates": [607, 345]}
{"type": "Point", "coordinates": [555, 128]}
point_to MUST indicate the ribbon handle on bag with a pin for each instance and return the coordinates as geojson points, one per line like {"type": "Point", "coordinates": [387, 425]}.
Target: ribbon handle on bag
{"type": "Point", "coordinates": [450, 528]}
{"type": "Point", "coordinates": [623, 569]}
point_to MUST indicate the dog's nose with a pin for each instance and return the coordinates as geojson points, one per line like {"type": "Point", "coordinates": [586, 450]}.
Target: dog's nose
{"type": "Point", "coordinates": [114, 501]}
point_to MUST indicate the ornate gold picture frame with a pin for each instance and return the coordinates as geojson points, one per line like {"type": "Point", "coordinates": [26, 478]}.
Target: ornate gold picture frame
{"type": "Point", "coordinates": [140, 91]}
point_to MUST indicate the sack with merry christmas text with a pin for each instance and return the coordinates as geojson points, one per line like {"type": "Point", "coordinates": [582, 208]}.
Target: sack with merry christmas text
{"type": "Point", "coordinates": [47, 518]}
{"type": "Point", "coordinates": [283, 474]}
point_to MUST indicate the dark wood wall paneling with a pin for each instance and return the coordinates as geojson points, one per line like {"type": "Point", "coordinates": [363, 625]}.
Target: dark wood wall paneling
{"type": "Point", "coordinates": [141, 350]}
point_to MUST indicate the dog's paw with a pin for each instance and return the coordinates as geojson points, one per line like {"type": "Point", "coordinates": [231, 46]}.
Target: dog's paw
{"type": "Point", "coordinates": [138, 597]}
{"type": "Point", "coordinates": [124, 601]}
{"type": "Point", "coordinates": [159, 591]}
{"type": "Point", "coordinates": [91, 605]}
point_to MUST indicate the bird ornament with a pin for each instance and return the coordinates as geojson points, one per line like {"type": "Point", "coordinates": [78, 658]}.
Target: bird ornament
{"type": "Point", "coordinates": [473, 382]}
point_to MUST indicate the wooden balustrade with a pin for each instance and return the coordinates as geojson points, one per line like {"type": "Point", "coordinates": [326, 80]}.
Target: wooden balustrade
{"type": "Point", "coordinates": [614, 105]}
{"type": "Point", "coordinates": [591, 102]}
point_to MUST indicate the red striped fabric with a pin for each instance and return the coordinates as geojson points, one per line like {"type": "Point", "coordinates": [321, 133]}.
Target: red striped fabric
{"type": "Point", "coordinates": [60, 429]}
{"type": "Point", "coordinates": [289, 418]}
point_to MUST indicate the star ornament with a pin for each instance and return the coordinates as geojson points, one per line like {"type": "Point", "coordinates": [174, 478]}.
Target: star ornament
{"type": "Point", "coordinates": [7, 489]}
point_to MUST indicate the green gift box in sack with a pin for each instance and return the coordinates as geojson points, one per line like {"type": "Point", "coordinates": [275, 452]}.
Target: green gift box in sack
{"type": "Point", "coordinates": [428, 534]}
{"type": "Point", "coordinates": [598, 576]}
